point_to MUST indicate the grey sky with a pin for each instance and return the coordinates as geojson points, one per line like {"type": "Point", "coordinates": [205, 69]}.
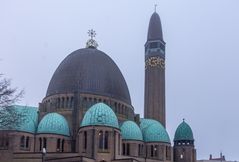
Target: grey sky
{"type": "Point", "coordinates": [202, 55]}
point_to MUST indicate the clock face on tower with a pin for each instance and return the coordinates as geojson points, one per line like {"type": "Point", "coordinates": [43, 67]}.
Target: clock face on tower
{"type": "Point", "coordinates": [155, 62]}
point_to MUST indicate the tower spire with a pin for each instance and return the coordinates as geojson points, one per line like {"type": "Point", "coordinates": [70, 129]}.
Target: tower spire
{"type": "Point", "coordinates": [155, 8]}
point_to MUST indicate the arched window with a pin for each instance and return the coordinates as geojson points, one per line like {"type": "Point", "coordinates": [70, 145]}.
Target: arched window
{"type": "Point", "coordinates": [44, 143]}
{"type": "Point", "coordinates": [62, 145]}
{"type": "Point", "coordinates": [106, 140]}
{"type": "Point", "coordinates": [58, 145]}
{"type": "Point", "coordinates": [101, 140]}
{"type": "Point", "coordinates": [85, 140]}
{"type": "Point", "coordinates": [22, 141]}
{"type": "Point", "coordinates": [27, 142]}
{"type": "Point", "coordinates": [40, 144]}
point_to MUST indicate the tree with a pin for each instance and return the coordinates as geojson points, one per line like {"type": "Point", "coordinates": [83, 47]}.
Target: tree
{"type": "Point", "coordinates": [9, 117]}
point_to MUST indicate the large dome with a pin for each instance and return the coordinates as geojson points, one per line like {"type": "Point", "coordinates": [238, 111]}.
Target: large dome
{"type": "Point", "coordinates": [90, 71]}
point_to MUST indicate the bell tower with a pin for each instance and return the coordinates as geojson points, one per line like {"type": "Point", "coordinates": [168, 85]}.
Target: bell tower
{"type": "Point", "coordinates": [154, 95]}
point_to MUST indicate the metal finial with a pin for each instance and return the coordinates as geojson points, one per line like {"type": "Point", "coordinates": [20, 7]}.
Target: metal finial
{"type": "Point", "coordinates": [155, 8]}
{"type": "Point", "coordinates": [183, 119]}
{"type": "Point", "coordinates": [91, 43]}
{"type": "Point", "coordinates": [91, 33]}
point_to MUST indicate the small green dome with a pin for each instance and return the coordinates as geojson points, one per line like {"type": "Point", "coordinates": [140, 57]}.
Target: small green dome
{"type": "Point", "coordinates": [28, 121]}
{"type": "Point", "coordinates": [153, 131]}
{"type": "Point", "coordinates": [54, 123]}
{"type": "Point", "coordinates": [100, 114]}
{"type": "Point", "coordinates": [131, 131]}
{"type": "Point", "coordinates": [183, 132]}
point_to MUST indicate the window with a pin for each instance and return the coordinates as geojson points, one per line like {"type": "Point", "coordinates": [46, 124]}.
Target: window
{"type": "Point", "coordinates": [106, 140]}
{"type": "Point", "coordinates": [27, 142]}
{"type": "Point", "coordinates": [22, 142]}
{"type": "Point", "coordinates": [156, 151]}
{"type": "Point", "coordinates": [123, 148]}
{"type": "Point", "coordinates": [72, 102]}
{"type": "Point", "coordinates": [101, 140]}
{"type": "Point", "coordinates": [67, 102]}
{"type": "Point", "coordinates": [62, 145]}
{"type": "Point", "coordinates": [58, 145]}
{"type": "Point", "coordinates": [139, 149]}
{"type": "Point", "coordinates": [44, 143]}
{"type": "Point", "coordinates": [62, 102]}
{"type": "Point", "coordinates": [128, 149]}
{"type": "Point", "coordinates": [152, 151]}
{"type": "Point", "coordinates": [40, 144]}
{"type": "Point", "coordinates": [85, 140]}
{"type": "Point", "coordinates": [58, 102]}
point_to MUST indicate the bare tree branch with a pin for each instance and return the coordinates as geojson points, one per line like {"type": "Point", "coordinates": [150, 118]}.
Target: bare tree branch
{"type": "Point", "coordinates": [9, 117]}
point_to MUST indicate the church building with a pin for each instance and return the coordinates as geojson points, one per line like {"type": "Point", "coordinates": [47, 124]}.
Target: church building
{"type": "Point", "coordinates": [87, 114]}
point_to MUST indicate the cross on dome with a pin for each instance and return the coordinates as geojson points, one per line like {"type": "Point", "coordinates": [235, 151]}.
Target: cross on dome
{"type": "Point", "coordinates": [91, 43]}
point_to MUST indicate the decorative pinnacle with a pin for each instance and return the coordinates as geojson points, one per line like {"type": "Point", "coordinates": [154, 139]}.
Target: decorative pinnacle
{"type": "Point", "coordinates": [155, 8]}
{"type": "Point", "coordinates": [183, 119]}
{"type": "Point", "coordinates": [91, 43]}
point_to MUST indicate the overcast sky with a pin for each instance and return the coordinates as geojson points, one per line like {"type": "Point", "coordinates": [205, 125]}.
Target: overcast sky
{"type": "Point", "coordinates": [202, 55]}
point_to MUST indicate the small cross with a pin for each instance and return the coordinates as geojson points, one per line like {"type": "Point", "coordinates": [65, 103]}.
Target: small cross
{"type": "Point", "coordinates": [91, 33]}
{"type": "Point", "coordinates": [155, 7]}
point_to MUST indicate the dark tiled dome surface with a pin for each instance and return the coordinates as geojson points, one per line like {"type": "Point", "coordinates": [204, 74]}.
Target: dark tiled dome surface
{"type": "Point", "coordinates": [89, 70]}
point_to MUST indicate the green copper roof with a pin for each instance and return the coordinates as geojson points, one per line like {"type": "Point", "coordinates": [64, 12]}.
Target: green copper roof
{"type": "Point", "coordinates": [131, 131]}
{"type": "Point", "coordinates": [183, 132]}
{"type": "Point", "coordinates": [100, 114]}
{"type": "Point", "coordinates": [54, 123]}
{"type": "Point", "coordinates": [153, 131]}
{"type": "Point", "coordinates": [28, 123]}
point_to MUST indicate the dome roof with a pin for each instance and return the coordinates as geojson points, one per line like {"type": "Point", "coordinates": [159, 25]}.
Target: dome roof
{"type": "Point", "coordinates": [131, 131]}
{"type": "Point", "coordinates": [155, 28]}
{"type": "Point", "coordinates": [183, 132]}
{"type": "Point", "coordinates": [100, 114]}
{"type": "Point", "coordinates": [28, 122]}
{"type": "Point", "coordinates": [53, 123]}
{"type": "Point", "coordinates": [89, 70]}
{"type": "Point", "coordinates": [153, 131]}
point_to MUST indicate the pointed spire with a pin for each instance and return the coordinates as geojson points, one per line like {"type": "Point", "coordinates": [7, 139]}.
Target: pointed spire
{"type": "Point", "coordinates": [155, 28]}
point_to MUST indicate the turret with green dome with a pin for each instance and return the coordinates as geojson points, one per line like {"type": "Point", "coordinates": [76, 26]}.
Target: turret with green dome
{"type": "Point", "coordinates": [53, 123]}
{"type": "Point", "coordinates": [100, 114]}
{"type": "Point", "coordinates": [183, 132]}
{"type": "Point", "coordinates": [131, 131]}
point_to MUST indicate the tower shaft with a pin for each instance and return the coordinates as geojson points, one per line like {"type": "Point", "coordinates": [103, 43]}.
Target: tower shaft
{"type": "Point", "coordinates": [154, 107]}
